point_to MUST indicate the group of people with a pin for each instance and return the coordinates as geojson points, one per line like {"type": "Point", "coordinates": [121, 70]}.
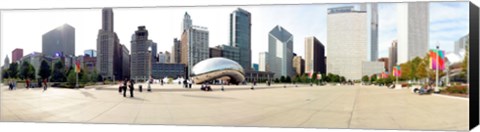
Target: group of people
{"type": "Point", "coordinates": [12, 84]}
{"type": "Point", "coordinates": [123, 87]}
{"type": "Point", "coordinates": [187, 83]}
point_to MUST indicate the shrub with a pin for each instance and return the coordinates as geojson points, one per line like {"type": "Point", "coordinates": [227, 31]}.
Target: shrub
{"type": "Point", "coordinates": [459, 89]}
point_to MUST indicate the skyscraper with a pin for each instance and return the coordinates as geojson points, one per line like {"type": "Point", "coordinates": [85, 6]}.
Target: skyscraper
{"type": "Point", "coordinates": [187, 22]}
{"type": "Point", "coordinates": [347, 39]}
{"type": "Point", "coordinates": [176, 51]}
{"type": "Point", "coordinates": [280, 51]}
{"type": "Point", "coordinates": [314, 56]}
{"type": "Point", "coordinates": [125, 62]}
{"type": "Point", "coordinates": [109, 50]}
{"type": "Point", "coordinates": [263, 62]}
{"type": "Point", "coordinates": [299, 65]}
{"type": "Point", "coordinates": [197, 45]}
{"type": "Point", "coordinates": [413, 28]}
{"type": "Point", "coordinates": [141, 60]}
{"type": "Point", "coordinates": [240, 36]}
{"type": "Point", "coordinates": [17, 54]}
{"type": "Point", "coordinates": [60, 40]}
{"type": "Point", "coordinates": [6, 63]}
{"type": "Point", "coordinates": [372, 27]}
{"type": "Point", "coordinates": [392, 56]}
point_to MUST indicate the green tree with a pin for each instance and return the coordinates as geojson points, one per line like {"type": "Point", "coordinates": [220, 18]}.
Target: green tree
{"type": "Point", "coordinates": [5, 74]}
{"type": "Point", "coordinates": [27, 71]}
{"type": "Point", "coordinates": [45, 70]}
{"type": "Point", "coordinates": [13, 70]}
{"type": "Point", "coordinates": [373, 78]}
{"type": "Point", "coordinates": [282, 79]}
{"type": "Point", "coordinates": [365, 78]}
{"type": "Point", "coordinates": [71, 79]}
{"type": "Point", "coordinates": [58, 74]}
{"type": "Point", "coordinates": [288, 79]}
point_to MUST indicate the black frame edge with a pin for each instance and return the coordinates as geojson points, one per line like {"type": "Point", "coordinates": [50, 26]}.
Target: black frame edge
{"type": "Point", "coordinates": [473, 66]}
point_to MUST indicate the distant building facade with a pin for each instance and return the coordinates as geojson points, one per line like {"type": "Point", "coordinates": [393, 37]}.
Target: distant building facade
{"type": "Point", "coordinates": [280, 51]}
{"type": "Point", "coordinates": [384, 60]}
{"type": "Point", "coordinates": [347, 42]}
{"type": "Point", "coordinates": [17, 54]}
{"type": "Point", "coordinates": [171, 70]}
{"type": "Point", "coordinates": [240, 36]}
{"type": "Point", "coordinates": [460, 45]}
{"type": "Point", "coordinates": [60, 40]}
{"type": "Point", "coordinates": [109, 50]}
{"type": "Point", "coordinates": [176, 51]}
{"type": "Point", "coordinates": [413, 30]}
{"type": "Point", "coordinates": [392, 55]}
{"type": "Point", "coordinates": [314, 56]}
{"type": "Point", "coordinates": [90, 52]}
{"type": "Point", "coordinates": [299, 65]}
{"type": "Point", "coordinates": [141, 58]}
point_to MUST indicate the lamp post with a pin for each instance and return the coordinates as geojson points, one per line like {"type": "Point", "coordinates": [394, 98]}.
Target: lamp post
{"type": "Point", "coordinates": [436, 71]}
{"type": "Point", "coordinates": [149, 74]}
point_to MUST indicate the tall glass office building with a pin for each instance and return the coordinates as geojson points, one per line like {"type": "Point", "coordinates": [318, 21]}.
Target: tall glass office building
{"type": "Point", "coordinates": [240, 35]}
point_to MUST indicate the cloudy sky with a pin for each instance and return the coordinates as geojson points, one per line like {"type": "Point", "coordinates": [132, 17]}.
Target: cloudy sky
{"type": "Point", "coordinates": [24, 29]}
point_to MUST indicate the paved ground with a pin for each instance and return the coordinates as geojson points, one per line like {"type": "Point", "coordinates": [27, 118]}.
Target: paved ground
{"type": "Point", "coordinates": [304, 106]}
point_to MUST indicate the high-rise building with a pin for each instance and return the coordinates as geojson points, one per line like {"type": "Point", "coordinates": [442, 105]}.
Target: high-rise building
{"type": "Point", "coordinates": [372, 21]}
{"type": "Point", "coordinates": [240, 36]}
{"type": "Point", "coordinates": [90, 52]}
{"type": "Point", "coordinates": [60, 40]}
{"type": "Point", "coordinates": [263, 62]}
{"type": "Point", "coordinates": [299, 65]}
{"type": "Point", "coordinates": [460, 45]}
{"type": "Point", "coordinates": [198, 45]}
{"type": "Point", "coordinates": [141, 59]}
{"type": "Point", "coordinates": [280, 50]}
{"type": "Point", "coordinates": [184, 48]}
{"type": "Point", "coordinates": [125, 62]}
{"type": "Point", "coordinates": [413, 28]}
{"type": "Point", "coordinates": [187, 22]}
{"type": "Point", "coordinates": [347, 38]}
{"type": "Point", "coordinates": [314, 56]}
{"type": "Point", "coordinates": [17, 54]}
{"type": "Point", "coordinates": [6, 63]}
{"type": "Point", "coordinates": [176, 51]}
{"type": "Point", "coordinates": [109, 50]}
{"type": "Point", "coordinates": [392, 55]}
{"type": "Point", "coordinates": [164, 57]}
{"type": "Point", "coordinates": [230, 52]}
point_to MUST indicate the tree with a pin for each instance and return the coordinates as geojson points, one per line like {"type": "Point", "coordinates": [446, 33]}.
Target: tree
{"type": "Point", "coordinates": [13, 70]}
{"type": "Point", "coordinates": [5, 73]}
{"type": "Point", "coordinates": [27, 71]}
{"type": "Point", "coordinates": [282, 79]}
{"type": "Point", "coordinates": [45, 70]}
{"type": "Point", "coordinates": [71, 79]}
{"type": "Point", "coordinates": [288, 79]}
{"type": "Point", "coordinates": [58, 74]}
{"type": "Point", "coordinates": [365, 78]}
{"type": "Point", "coordinates": [374, 78]}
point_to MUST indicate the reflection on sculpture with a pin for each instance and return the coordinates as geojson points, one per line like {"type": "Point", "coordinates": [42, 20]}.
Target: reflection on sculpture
{"type": "Point", "coordinates": [218, 68]}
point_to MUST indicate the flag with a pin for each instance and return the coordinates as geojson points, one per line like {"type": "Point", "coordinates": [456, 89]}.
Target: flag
{"type": "Point", "coordinates": [396, 71]}
{"type": "Point", "coordinates": [433, 59]}
{"type": "Point", "coordinates": [77, 67]}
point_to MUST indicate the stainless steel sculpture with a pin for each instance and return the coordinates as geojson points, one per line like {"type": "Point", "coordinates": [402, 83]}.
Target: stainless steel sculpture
{"type": "Point", "coordinates": [218, 68]}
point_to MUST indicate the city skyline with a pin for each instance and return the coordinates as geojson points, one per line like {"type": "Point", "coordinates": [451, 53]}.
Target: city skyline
{"type": "Point", "coordinates": [444, 29]}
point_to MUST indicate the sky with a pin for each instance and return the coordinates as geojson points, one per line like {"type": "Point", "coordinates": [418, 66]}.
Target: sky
{"type": "Point", "coordinates": [24, 29]}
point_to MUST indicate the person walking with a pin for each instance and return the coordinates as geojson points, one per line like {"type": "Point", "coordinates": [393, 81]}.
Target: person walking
{"type": "Point", "coordinates": [44, 85]}
{"type": "Point", "coordinates": [10, 85]}
{"type": "Point", "coordinates": [132, 83]}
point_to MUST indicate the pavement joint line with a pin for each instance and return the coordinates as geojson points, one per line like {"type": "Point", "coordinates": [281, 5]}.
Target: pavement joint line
{"type": "Point", "coordinates": [353, 107]}
{"type": "Point", "coordinates": [108, 109]}
{"type": "Point", "coordinates": [316, 111]}
{"type": "Point", "coordinates": [141, 106]}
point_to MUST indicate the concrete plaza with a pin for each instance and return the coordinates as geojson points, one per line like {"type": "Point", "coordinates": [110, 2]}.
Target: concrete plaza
{"type": "Point", "coordinates": [368, 107]}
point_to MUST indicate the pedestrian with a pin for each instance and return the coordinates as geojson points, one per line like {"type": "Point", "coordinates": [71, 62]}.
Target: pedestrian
{"type": "Point", "coordinates": [185, 85]}
{"type": "Point", "coordinates": [44, 85]}
{"type": "Point", "coordinates": [10, 85]}
{"type": "Point", "coordinates": [161, 82]}
{"type": "Point", "coordinates": [27, 83]}
{"type": "Point", "coordinates": [189, 83]}
{"type": "Point", "coordinates": [132, 83]}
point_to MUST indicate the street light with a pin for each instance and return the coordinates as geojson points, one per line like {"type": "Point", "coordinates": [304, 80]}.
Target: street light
{"type": "Point", "coordinates": [149, 89]}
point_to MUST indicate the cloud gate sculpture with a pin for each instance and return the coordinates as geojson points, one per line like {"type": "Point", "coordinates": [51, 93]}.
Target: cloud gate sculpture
{"type": "Point", "coordinates": [218, 68]}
